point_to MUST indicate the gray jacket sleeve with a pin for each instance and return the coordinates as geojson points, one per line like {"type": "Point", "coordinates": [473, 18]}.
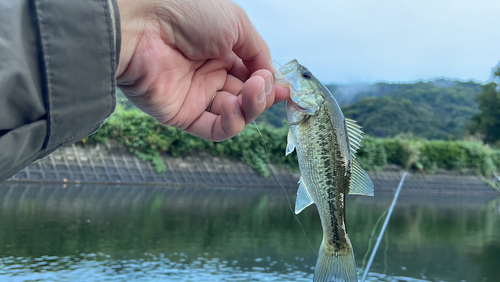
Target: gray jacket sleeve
{"type": "Point", "coordinates": [58, 61]}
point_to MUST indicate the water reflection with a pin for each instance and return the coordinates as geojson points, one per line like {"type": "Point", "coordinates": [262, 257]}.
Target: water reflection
{"type": "Point", "coordinates": [98, 233]}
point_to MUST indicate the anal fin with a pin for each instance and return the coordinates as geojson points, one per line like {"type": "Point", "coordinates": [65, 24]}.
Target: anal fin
{"type": "Point", "coordinates": [303, 197]}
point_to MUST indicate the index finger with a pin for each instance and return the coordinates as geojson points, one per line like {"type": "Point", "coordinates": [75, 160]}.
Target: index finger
{"type": "Point", "coordinates": [250, 46]}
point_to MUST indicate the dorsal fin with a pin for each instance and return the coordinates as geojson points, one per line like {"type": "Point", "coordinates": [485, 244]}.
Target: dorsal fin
{"type": "Point", "coordinates": [354, 134]}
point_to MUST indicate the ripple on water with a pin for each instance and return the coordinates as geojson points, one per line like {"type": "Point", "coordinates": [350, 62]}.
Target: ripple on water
{"type": "Point", "coordinates": [100, 267]}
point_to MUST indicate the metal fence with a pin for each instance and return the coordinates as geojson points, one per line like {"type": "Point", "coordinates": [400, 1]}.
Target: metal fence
{"type": "Point", "coordinates": [107, 165]}
{"type": "Point", "coordinates": [112, 165]}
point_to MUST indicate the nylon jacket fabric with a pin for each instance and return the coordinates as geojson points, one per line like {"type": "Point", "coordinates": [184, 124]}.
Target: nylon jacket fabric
{"type": "Point", "coordinates": [58, 62]}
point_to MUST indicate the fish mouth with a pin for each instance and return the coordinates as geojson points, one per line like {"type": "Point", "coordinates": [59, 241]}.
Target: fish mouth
{"type": "Point", "coordinates": [280, 76]}
{"type": "Point", "coordinates": [292, 64]}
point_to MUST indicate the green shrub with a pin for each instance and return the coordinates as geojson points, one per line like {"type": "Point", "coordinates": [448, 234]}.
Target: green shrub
{"type": "Point", "coordinates": [148, 139]}
{"type": "Point", "coordinates": [429, 155]}
{"type": "Point", "coordinates": [479, 158]}
{"type": "Point", "coordinates": [372, 154]}
{"type": "Point", "coordinates": [394, 150]}
{"type": "Point", "coordinates": [445, 154]}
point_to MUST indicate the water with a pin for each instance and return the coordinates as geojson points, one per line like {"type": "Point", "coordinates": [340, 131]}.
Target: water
{"type": "Point", "coordinates": [113, 233]}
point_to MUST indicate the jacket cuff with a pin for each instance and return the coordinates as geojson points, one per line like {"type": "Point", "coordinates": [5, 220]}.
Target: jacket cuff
{"type": "Point", "coordinates": [79, 44]}
{"type": "Point", "coordinates": [118, 34]}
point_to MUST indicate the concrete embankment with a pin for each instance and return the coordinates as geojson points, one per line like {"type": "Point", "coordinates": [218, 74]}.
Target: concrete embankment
{"type": "Point", "coordinates": [112, 165]}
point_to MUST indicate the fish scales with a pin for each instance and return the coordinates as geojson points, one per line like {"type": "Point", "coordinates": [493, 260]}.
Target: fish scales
{"type": "Point", "coordinates": [320, 148]}
{"type": "Point", "coordinates": [325, 142]}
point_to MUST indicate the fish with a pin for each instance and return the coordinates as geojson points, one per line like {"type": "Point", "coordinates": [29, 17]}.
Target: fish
{"type": "Point", "coordinates": [326, 143]}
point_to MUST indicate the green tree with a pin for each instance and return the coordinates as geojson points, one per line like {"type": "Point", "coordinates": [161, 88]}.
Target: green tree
{"type": "Point", "coordinates": [487, 121]}
{"type": "Point", "coordinates": [434, 110]}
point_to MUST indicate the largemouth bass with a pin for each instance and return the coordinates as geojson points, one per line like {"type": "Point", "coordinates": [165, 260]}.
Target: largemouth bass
{"type": "Point", "coordinates": [326, 145]}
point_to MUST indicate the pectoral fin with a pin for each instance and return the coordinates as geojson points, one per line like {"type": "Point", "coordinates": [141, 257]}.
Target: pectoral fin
{"type": "Point", "coordinates": [303, 198]}
{"type": "Point", "coordinates": [361, 183]}
{"type": "Point", "coordinates": [290, 145]}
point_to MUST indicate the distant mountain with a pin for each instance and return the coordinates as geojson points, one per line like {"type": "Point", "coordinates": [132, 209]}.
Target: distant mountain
{"type": "Point", "coordinates": [437, 109]}
{"type": "Point", "coordinates": [349, 94]}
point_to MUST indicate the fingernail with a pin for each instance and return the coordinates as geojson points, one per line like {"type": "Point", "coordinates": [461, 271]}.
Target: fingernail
{"type": "Point", "coordinates": [261, 97]}
{"type": "Point", "coordinates": [269, 85]}
{"type": "Point", "coordinates": [237, 111]}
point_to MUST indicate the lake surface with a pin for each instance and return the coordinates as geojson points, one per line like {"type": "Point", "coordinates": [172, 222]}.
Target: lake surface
{"type": "Point", "coordinates": [132, 233]}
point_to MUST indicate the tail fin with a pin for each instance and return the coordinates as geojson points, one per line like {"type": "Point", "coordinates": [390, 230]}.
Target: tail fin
{"type": "Point", "coordinates": [335, 267]}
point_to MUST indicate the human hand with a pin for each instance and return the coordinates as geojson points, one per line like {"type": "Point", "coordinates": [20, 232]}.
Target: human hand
{"type": "Point", "coordinates": [176, 54]}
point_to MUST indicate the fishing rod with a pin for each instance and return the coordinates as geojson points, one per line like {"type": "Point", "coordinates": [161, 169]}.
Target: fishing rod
{"type": "Point", "coordinates": [383, 228]}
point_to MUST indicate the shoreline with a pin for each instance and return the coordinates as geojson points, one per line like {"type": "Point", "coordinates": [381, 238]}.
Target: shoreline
{"type": "Point", "coordinates": [105, 165]}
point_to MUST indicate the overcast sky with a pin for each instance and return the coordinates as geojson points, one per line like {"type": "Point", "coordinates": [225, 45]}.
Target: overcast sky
{"type": "Point", "coordinates": [352, 41]}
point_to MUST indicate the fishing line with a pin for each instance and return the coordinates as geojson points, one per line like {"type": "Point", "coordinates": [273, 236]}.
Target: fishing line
{"type": "Point", "coordinates": [276, 62]}
{"type": "Point", "coordinates": [284, 190]}
{"type": "Point", "coordinates": [371, 238]}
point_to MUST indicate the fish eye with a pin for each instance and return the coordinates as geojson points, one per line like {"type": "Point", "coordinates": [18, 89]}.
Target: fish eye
{"type": "Point", "coordinates": [306, 74]}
